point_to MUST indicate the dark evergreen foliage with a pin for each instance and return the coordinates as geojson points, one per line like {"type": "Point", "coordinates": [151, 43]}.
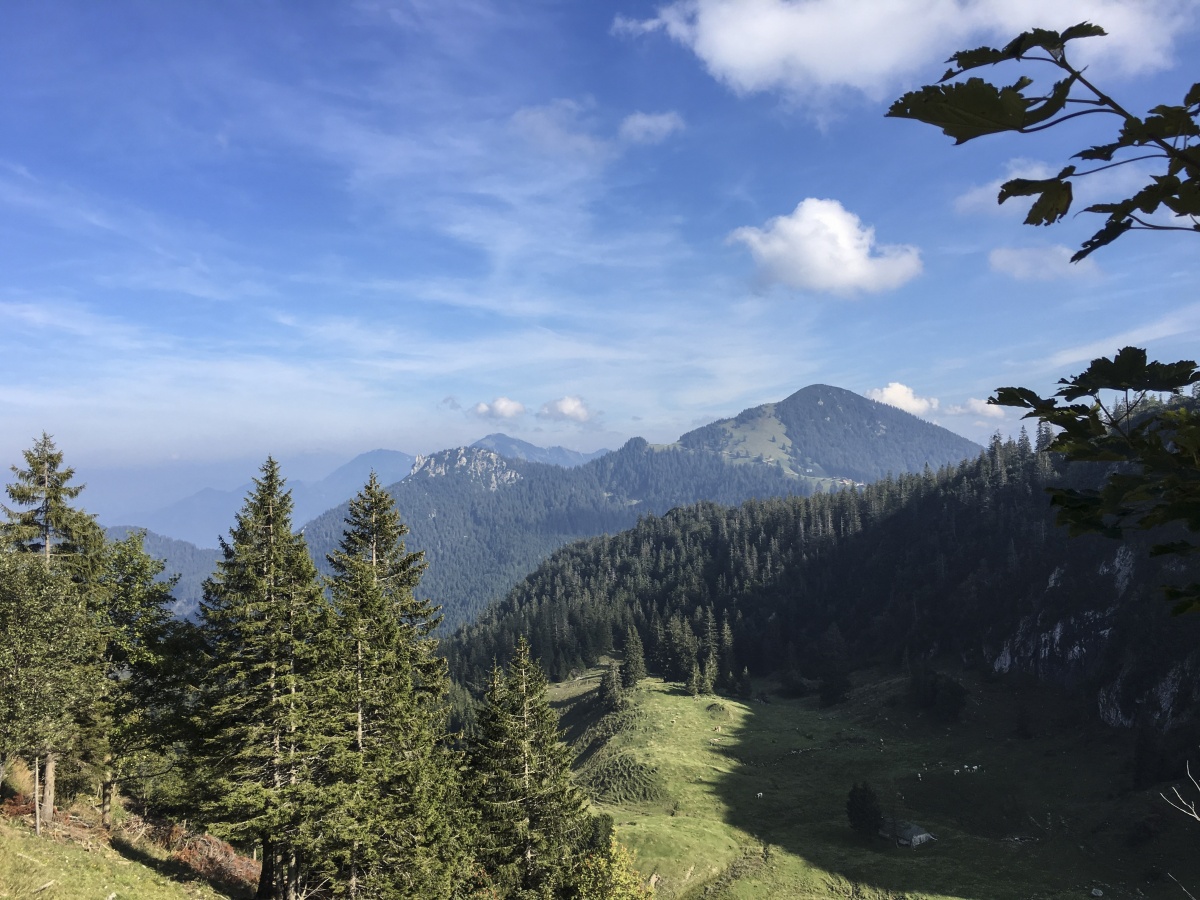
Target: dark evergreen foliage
{"type": "Point", "coordinates": [633, 667]}
{"type": "Point", "coordinates": [534, 824]}
{"type": "Point", "coordinates": [863, 810]}
{"type": "Point", "coordinates": [260, 722]}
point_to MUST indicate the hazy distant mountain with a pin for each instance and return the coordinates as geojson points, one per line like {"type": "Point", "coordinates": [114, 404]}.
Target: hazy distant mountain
{"type": "Point", "coordinates": [208, 514]}
{"type": "Point", "coordinates": [515, 448]}
{"type": "Point", "coordinates": [822, 431]}
{"type": "Point", "coordinates": [485, 519]}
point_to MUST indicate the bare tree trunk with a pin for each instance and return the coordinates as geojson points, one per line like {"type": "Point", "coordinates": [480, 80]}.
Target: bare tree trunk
{"type": "Point", "coordinates": [3, 766]}
{"type": "Point", "coordinates": [266, 879]}
{"type": "Point", "coordinates": [48, 786]}
{"type": "Point", "coordinates": [37, 803]}
{"type": "Point", "coordinates": [107, 788]}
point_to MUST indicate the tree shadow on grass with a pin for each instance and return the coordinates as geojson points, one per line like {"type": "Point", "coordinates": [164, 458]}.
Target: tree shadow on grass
{"type": "Point", "coordinates": [179, 871]}
{"type": "Point", "coordinates": [1013, 817]}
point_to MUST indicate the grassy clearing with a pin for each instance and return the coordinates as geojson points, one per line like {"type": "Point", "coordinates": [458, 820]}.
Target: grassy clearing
{"type": "Point", "coordinates": [1043, 817]}
{"type": "Point", "coordinates": [45, 868]}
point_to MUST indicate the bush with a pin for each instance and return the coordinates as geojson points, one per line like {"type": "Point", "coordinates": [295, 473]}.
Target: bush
{"type": "Point", "coordinates": [863, 810]}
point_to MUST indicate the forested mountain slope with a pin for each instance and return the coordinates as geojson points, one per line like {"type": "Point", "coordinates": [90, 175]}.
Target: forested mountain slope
{"type": "Point", "coordinates": [485, 521]}
{"type": "Point", "coordinates": [964, 566]}
{"type": "Point", "coordinates": [828, 432]}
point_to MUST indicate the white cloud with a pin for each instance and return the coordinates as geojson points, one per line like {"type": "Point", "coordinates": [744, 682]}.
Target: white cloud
{"type": "Point", "coordinates": [650, 128]}
{"type": "Point", "coordinates": [903, 397]}
{"type": "Point", "coordinates": [568, 407]}
{"type": "Point", "coordinates": [1039, 263]}
{"type": "Point", "coordinates": [500, 408]}
{"type": "Point", "coordinates": [976, 407]}
{"type": "Point", "coordinates": [822, 246]}
{"type": "Point", "coordinates": [802, 46]}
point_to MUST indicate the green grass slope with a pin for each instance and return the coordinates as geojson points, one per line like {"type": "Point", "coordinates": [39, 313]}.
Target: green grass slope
{"type": "Point", "coordinates": [45, 868]}
{"type": "Point", "coordinates": [1047, 816]}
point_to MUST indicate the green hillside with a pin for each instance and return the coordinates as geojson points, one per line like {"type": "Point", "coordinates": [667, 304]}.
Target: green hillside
{"type": "Point", "coordinates": [823, 432]}
{"type": "Point", "coordinates": [728, 799]}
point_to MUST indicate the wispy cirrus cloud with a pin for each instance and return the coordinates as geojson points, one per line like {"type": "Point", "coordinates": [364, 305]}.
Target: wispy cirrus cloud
{"type": "Point", "coordinates": [1040, 263]}
{"type": "Point", "coordinates": [650, 128]}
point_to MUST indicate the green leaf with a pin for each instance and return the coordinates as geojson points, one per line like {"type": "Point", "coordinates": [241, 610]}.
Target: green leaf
{"type": "Point", "coordinates": [1102, 151]}
{"type": "Point", "coordinates": [967, 109]}
{"type": "Point", "coordinates": [1054, 196]}
{"type": "Point", "coordinates": [1082, 30]}
{"type": "Point", "coordinates": [1193, 95]}
{"type": "Point", "coordinates": [1105, 236]}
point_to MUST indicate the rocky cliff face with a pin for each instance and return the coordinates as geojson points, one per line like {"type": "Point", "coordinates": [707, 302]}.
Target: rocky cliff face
{"type": "Point", "coordinates": [1141, 664]}
{"type": "Point", "coordinates": [482, 466]}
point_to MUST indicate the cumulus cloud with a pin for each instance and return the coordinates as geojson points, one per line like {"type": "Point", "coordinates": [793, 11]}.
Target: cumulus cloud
{"type": "Point", "coordinates": [822, 246]}
{"type": "Point", "coordinates": [500, 408]}
{"type": "Point", "coordinates": [1039, 263]}
{"type": "Point", "coordinates": [650, 128]}
{"type": "Point", "coordinates": [802, 46]}
{"type": "Point", "coordinates": [976, 407]}
{"type": "Point", "coordinates": [565, 408]}
{"type": "Point", "coordinates": [903, 397]}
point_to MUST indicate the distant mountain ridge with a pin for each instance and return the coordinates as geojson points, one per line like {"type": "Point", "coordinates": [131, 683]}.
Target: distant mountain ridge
{"type": "Point", "coordinates": [485, 519]}
{"type": "Point", "coordinates": [515, 448]}
{"type": "Point", "coordinates": [828, 432]}
{"type": "Point", "coordinates": [206, 515]}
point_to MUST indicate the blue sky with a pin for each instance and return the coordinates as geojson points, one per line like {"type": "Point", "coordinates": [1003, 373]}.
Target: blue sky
{"type": "Point", "coordinates": [311, 229]}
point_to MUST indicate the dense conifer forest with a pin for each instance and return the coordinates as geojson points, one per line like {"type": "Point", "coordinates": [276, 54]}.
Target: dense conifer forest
{"type": "Point", "coordinates": [961, 568]}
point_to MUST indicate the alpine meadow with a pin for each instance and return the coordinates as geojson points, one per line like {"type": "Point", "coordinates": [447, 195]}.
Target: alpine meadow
{"type": "Point", "coordinates": [917, 637]}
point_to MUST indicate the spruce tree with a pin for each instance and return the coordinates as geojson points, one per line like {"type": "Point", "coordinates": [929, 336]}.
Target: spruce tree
{"type": "Point", "coordinates": [66, 540]}
{"type": "Point", "coordinates": [390, 780]}
{"type": "Point", "coordinates": [265, 624]}
{"type": "Point", "coordinates": [49, 525]}
{"type": "Point", "coordinates": [139, 690]}
{"type": "Point", "coordinates": [633, 668]}
{"type": "Point", "coordinates": [611, 693]}
{"type": "Point", "coordinates": [533, 819]}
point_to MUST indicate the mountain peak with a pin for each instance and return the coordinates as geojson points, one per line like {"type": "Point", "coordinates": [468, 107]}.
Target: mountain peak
{"type": "Point", "coordinates": [822, 431]}
{"type": "Point", "coordinates": [484, 466]}
{"type": "Point", "coordinates": [515, 448]}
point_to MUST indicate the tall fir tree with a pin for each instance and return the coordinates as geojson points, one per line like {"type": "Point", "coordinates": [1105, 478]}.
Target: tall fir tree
{"type": "Point", "coordinates": [391, 830]}
{"type": "Point", "coordinates": [48, 524]}
{"type": "Point", "coordinates": [633, 667]}
{"type": "Point", "coordinates": [265, 625]}
{"type": "Point", "coordinates": [139, 690]}
{"type": "Point", "coordinates": [533, 819]}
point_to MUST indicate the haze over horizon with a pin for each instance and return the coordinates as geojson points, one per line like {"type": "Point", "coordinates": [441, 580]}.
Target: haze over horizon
{"type": "Point", "coordinates": [236, 230]}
